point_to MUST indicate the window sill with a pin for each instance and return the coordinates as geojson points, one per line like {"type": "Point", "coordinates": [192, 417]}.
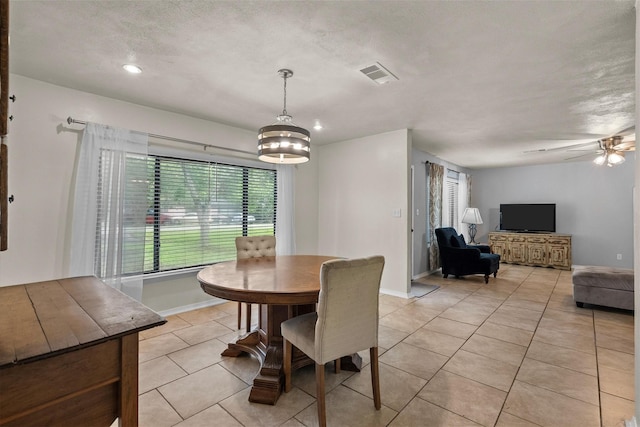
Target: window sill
{"type": "Point", "coordinates": [172, 273]}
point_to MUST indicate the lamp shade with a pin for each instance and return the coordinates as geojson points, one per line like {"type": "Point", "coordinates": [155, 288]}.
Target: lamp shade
{"type": "Point", "coordinates": [471, 216]}
{"type": "Point", "coordinates": [283, 143]}
{"type": "Point", "coordinates": [600, 159]}
{"type": "Point", "coordinates": [616, 158]}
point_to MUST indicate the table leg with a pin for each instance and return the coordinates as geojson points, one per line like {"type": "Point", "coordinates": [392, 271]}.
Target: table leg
{"type": "Point", "coordinates": [129, 381]}
{"type": "Point", "coordinates": [265, 344]}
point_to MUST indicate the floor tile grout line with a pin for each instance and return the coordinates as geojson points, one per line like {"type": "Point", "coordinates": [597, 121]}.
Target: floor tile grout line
{"type": "Point", "coordinates": [446, 409]}
{"type": "Point", "coordinates": [595, 345]}
{"type": "Point", "coordinates": [170, 404]}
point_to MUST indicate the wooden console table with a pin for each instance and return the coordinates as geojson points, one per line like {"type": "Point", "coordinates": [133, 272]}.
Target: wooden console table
{"type": "Point", "coordinates": [69, 353]}
{"type": "Point", "coordinates": [537, 249]}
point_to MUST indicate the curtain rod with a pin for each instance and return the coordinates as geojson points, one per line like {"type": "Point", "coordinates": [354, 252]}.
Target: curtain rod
{"type": "Point", "coordinates": [426, 162]}
{"type": "Point", "coordinates": [171, 138]}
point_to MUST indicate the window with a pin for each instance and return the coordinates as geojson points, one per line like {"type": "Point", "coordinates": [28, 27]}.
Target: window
{"type": "Point", "coordinates": [450, 200]}
{"type": "Point", "coordinates": [193, 210]}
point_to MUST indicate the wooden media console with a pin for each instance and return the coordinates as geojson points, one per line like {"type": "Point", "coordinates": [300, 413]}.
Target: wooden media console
{"type": "Point", "coordinates": [536, 249]}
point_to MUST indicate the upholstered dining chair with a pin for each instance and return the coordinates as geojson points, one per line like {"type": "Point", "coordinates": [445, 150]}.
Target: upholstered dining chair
{"type": "Point", "coordinates": [346, 322]}
{"type": "Point", "coordinates": [253, 247]}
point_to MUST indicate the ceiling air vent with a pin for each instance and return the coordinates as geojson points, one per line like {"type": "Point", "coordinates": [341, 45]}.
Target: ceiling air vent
{"type": "Point", "coordinates": [378, 73]}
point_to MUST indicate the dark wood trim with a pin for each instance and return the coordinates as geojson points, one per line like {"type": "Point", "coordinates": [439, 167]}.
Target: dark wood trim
{"type": "Point", "coordinates": [4, 66]}
{"type": "Point", "coordinates": [4, 124]}
{"type": "Point", "coordinates": [4, 197]}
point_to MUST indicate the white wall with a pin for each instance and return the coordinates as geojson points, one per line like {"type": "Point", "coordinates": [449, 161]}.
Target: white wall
{"type": "Point", "coordinates": [42, 161]}
{"type": "Point", "coordinates": [306, 194]}
{"type": "Point", "coordinates": [593, 204]}
{"type": "Point", "coordinates": [361, 183]}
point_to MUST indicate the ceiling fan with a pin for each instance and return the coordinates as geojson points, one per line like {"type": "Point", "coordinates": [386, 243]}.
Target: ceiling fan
{"type": "Point", "coordinates": [612, 150]}
{"type": "Point", "coordinates": [609, 151]}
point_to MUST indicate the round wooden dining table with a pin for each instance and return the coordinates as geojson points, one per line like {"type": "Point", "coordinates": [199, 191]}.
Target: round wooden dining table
{"type": "Point", "coordinates": [285, 286]}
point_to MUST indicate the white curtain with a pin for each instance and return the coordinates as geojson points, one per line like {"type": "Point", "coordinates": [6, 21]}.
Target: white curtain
{"type": "Point", "coordinates": [463, 203]}
{"type": "Point", "coordinates": [111, 168]}
{"type": "Point", "coordinates": [285, 215]}
{"type": "Point", "coordinates": [446, 204]}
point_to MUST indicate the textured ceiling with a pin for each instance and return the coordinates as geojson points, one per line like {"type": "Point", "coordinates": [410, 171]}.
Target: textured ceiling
{"type": "Point", "coordinates": [479, 83]}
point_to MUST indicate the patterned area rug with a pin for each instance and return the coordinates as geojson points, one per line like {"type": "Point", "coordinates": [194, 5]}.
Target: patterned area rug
{"type": "Point", "coordinates": [421, 289]}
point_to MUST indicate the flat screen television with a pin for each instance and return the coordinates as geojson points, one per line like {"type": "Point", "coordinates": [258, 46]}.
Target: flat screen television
{"type": "Point", "coordinates": [530, 217]}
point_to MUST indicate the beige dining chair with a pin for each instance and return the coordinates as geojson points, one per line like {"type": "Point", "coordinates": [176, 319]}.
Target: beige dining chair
{"type": "Point", "coordinates": [346, 322]}
{"type": "Point", "coordinates": [253, 247]}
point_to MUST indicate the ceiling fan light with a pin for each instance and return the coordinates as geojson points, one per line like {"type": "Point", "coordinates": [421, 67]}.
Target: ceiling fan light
{"type": "Point", "coordinates": [600, 160]}
{"type": "Point", "coordinates": [615, 158]}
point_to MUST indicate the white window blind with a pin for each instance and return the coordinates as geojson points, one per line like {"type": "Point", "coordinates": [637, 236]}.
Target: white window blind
{"type": "Point", "coordinates": [195, 209]}
{"type": "Point", "coordinates": [450, 202]}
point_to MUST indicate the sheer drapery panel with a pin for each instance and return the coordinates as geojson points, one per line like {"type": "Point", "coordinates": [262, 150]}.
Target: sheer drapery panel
{"type": "Point", "coordinates": [108, 220]}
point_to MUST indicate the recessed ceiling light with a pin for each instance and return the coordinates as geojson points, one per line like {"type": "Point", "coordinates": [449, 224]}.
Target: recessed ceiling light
{"type": "Point", "coordinates": [133, 69]}
{"type": "Point", "coordinates": [317, 126]}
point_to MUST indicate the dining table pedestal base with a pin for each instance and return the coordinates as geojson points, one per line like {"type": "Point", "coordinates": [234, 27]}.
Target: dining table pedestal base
{"type": "Point", "coordinates": [266, 346]}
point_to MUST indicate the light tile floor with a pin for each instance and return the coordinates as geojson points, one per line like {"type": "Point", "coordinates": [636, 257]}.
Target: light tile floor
{"type": "Point", "coordinates": [514, 352]}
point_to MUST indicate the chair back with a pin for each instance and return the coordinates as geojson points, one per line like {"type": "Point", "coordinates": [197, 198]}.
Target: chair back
{"type": "Point", "coordinates": [444, 235]}
{"type": "Point", "coordinates": [255, 246]}
{"type": "Point", "coordinates": [347, 307]}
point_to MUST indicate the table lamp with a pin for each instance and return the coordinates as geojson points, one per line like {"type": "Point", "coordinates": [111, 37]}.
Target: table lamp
{"type": "Point", "coordinates": [472, 217]}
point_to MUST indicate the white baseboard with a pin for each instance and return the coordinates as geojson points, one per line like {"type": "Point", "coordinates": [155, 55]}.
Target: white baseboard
{"type": "Point", "coordinates": [182, 309]}
{"type": "Point", "coordinates": [424, 274]}
{"type": "Point", "coordinates": [404, 295]}
{"type": "Point", "coordinates": [631, 423]}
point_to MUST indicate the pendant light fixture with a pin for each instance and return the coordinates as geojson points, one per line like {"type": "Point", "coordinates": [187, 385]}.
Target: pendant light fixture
{"type": "Point", "coordinates": [284, 142]}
